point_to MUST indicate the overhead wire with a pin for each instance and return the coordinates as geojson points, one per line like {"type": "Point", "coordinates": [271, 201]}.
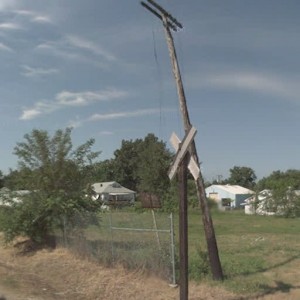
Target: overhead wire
{"type": "Point", "coordinates": [159, 84]}
{"type": "Point", "coordinates": [180, 59]}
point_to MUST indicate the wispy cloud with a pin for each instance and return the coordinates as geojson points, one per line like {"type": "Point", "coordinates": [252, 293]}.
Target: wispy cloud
{"type": "Point", "coordinates": [259, 82]}
{"type": "Point", "coordinates": [76, 48]}
{"type": "Point", "coordinates": [41, 19]}
{"type": "Point", "coordinates": [34, 16]}
{"type": "Point", "coordinates": [124, 114]}
{"type": "Point", "coordinates": [75, 123]}
{"type": "Point", "coordinates": [37, 72]}
{"type": "Point", "coordinates": [24, 12]}
{"type": "Point", "coordinates": [59, 49]}
{"type": "Point", "coordinates": [117, 115]}
{"type": "Point", "coordinates": [106, 133]}
{"type": "Point", "coordinates": [39, 108]}
{"type": "Point", "coordinates": [70, 99]}
{"type": "Point", "coordinates": [67, 98]}
{"type": "Point", "coordinates": [90, 46]}
{"type": "Point", "coordinates": [10, 26]}
{"type": "Point", "coordinates": [5, 48]}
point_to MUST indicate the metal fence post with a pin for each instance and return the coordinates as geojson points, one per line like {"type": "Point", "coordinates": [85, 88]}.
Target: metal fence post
{"type": "Point", "coordinates": [111, 237]}
{"type": "Point", "coordinates": [65, 232]}
{"type": "Point", "coordinates": [173, 284]}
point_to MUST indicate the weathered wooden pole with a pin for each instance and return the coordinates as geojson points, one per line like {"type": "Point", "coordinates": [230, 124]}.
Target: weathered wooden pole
{"type": "Point", "coordinates": [180, 165]}
{"type": "Point", "coordinates": [213, 253]}
{"type": "Point", "coordinates": [183, 230]}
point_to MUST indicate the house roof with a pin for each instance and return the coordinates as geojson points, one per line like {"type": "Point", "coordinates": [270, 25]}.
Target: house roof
{"type": "Point", "coordinates": [233, 189]}
{"type": "Point", "coordinates": [111, 187]}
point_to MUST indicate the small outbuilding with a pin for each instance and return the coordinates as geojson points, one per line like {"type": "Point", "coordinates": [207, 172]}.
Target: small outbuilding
{"type": "Point", "coordinates": [113, 193]}
{"type": "Point", "coordinates": [228, 196]}
{"type": "Point", "coordinates": [7, 197]}
{"type": "Point", "coordinates": [260, 204]}
{"type": "Point", "coordinates": [264, 204]}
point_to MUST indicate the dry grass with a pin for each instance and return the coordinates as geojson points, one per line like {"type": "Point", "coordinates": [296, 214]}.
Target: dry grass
{"type": "Point", "coordinates": [58, 274]}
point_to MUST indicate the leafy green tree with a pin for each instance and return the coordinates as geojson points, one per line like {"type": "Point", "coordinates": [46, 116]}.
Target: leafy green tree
{"type": "Point", "coordinates": [281, 180]}
{"type": "Point", "coordinates": [126, 163]}
{"type": "Point", "coordinates": [243, 176]}
{"type": "Point", "coordinates": [154, 162]}
{"type": "Point", "coordinates": [104, 171]}
{"type": "Point", "coordinates": [57, 178]}
{"type": "Point", "coordinates": [13, 180]}
{"type": "Point", "coordinates": [142, 165]}
{"type": "Point", "coordinates": [283, 199]}
{"type": "Point", "coordinates": [1, 179]}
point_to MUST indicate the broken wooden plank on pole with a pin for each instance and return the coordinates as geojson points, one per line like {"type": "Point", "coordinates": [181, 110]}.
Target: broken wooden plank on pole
{"type": "Point", "coordinates": [192, 165]}
{"type": "Point", "coordinates": [183, 148]}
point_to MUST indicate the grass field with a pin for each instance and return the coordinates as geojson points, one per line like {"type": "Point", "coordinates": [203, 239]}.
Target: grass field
{"type": "Point", "coordinates": [258, 253]}
{"type": "Point", "coordinates": [259, 256]}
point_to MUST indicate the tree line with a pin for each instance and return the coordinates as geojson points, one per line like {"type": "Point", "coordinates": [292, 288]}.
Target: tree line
{"type": "Point", "coordinates": [59, 177]}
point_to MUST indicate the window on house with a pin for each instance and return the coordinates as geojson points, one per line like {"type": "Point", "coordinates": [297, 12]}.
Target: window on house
{"type": "Point", "coordinates": [226, 202]}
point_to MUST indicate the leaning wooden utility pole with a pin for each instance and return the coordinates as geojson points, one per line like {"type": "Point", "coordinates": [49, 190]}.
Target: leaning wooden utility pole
{"type": "Point", "coordinates": [170, 22]}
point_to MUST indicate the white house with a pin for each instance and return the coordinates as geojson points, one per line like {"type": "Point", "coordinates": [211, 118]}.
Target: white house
{"type": "Point", "coordinates": [263, 203]}
{"type": "Point", "coordinates": [8, 197]}
{"type": "Point", "coordinates": [228, 196]}
{"type": "Point", "coordinates": [112, 193]}
{"type": "Point", "coordinates": [258, 204]}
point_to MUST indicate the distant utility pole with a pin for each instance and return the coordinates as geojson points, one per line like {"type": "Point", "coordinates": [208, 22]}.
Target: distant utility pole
{"type": "Point", "coordinates": [169, 22]}
{"type": "Point", "coordinates": [219, 178]}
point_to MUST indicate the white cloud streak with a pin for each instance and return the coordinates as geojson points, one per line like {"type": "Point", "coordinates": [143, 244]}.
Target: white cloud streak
{"type": "Point", "coordinates": [75, 123]}
{"type": "Point", "coordinates": [106, 133]}
{"type": "Point", "coordinates": [5, 48]}
{"type": "Point", "coordinates": [37, 72]}
{"type": "Point", "coordinates": [259, 82]}
{"type": "Point", "coordinates": [41, 19]}
{"type": "Point", "coordinates": [117, 115]}
{"type": "Point", "coordinates": [127, 114]}
{"type": "Point", "coordinates": [67, 98]}
{"type": "Point", "coordinates": [33, 16]}
{"type": "Point", "coordinates": [76, 48]}
{"type": "Point", "coordinates": [24, 12]}
{"type": "Point", "coordinates": [90, 46]}
{"type": "Point", "coordinates": [10, 26]}
{"type": "Point", "coordinates": [58, 49]}
{"type": "Point", "coordinates": [42, 107]}
{"type": "Point", "coordinates": [70, 99]}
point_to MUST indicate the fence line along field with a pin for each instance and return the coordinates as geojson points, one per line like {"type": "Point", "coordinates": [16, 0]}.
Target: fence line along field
{"type": "Point", "coordinates": [257, 252]}
{"type": "Point", "coordinates": [259, 255]}
{"type": "Point", "coordinates": [133, 240]}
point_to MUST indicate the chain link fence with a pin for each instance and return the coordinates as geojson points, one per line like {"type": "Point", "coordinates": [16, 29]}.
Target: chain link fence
{"type": "Point", "coordinates": [134, 240]}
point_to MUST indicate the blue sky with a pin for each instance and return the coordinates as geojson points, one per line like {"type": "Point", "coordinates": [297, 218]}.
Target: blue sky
{"type": "Point", "coordinates": [102, 67]}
